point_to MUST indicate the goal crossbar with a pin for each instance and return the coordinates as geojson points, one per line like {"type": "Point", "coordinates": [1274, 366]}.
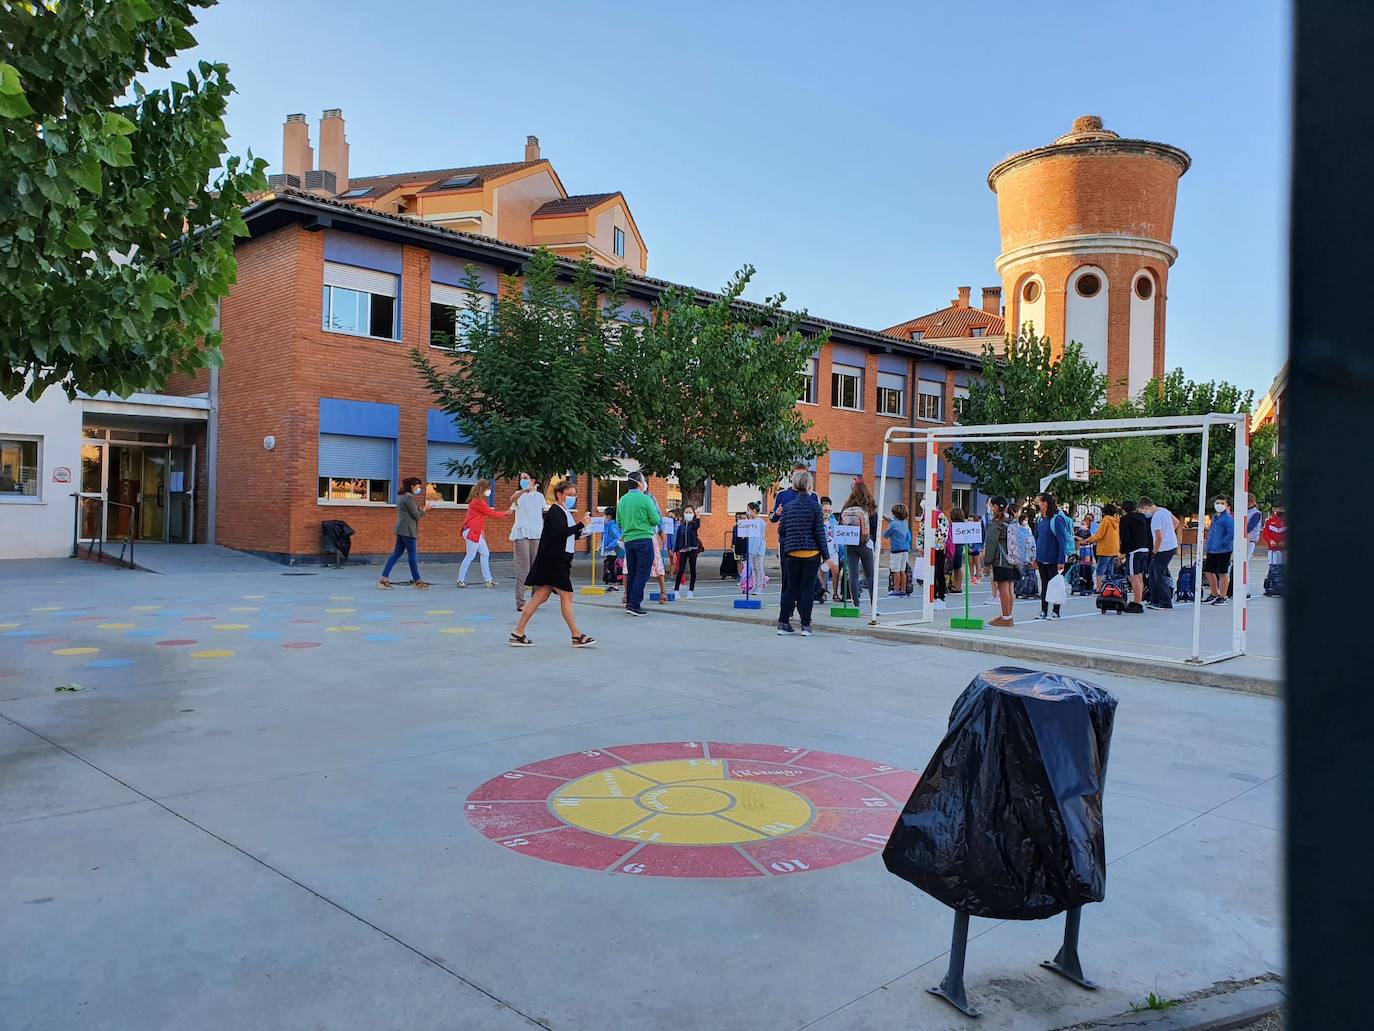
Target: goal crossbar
{"type": "Point", "coordinates": [1089, 429]}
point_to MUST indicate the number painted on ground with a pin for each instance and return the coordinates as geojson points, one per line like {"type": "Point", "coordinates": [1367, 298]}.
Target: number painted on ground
{"type": "Point", "coordinates": [875, 803]}
{"type": "Point", "coordinates": [788, 866]}
{"type": "Point", "coordinates": [777, 827]}
{"type": "Point", "coordinates": [513, 776]}
{"type": "Point", "coordinates": [515, 842]}
{"type": "Point", "coordinates": [632, 868]}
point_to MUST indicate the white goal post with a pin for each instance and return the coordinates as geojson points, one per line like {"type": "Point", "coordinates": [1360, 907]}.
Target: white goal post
{"type": "Point", "coordinates": [1091, 429]}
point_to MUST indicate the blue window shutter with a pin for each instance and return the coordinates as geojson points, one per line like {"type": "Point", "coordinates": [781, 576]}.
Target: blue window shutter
{"type": "Point", "coordinates": [359, 418]}
{"type": "Point", "coordinates": [347, 456]}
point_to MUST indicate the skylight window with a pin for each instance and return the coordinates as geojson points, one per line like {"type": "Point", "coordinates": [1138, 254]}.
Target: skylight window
{"type": "Point", "coordinates": [454, 182]}
{"type": "Point", "coordinates": [362, 191]}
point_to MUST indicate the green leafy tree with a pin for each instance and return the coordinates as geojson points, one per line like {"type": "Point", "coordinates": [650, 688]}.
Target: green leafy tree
{"type": "Point", "coordinates": [116, 235]}
{"type": "Point", "coordinates": [710, 390]}
{"type": "Point", "coordinates": [535, 386]}
{"type": "Point", "coordinates": [1266, 472]}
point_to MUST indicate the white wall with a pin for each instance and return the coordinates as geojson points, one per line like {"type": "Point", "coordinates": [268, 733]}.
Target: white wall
{"type": "Point", "coordinates": [1141, 368]}
{"type": "Point", "coordinates": [1030, 311]}
{"type": "Point", "coordinates": [42, 527]}
{"type": "Point", "coordinates": [1085, 318]}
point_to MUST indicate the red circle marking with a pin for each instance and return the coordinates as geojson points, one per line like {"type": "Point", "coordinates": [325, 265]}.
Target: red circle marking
{"type": "Point", "coordinates": [175, 643]}
{"type": "Point", "coordinates": [301, 644]}
{"type": "Point", "coordinates": [199, 619]}
{"type": "Point", "coordinates": [301, 621]}
{"type": "Point", "coordinates": [855, 801]}
{"type": "Point", "coordinates": [35, 642]}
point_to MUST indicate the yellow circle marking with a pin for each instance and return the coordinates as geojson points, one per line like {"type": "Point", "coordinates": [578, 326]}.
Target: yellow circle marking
{"type": "Point", "coordinates": [341, 597]}
{"type": "Point", "coordinates": [254, 597]}
{"type": "Point", "coordinates": [438, 612]}
{"type": "Point", "coordinates": [144, 608]}
{"type": "Point", "coordinates": [456, 630]}
{"type": "Point", "coordinates": [229, 626]}
{"type": "Point", "coordinates": [244, 608]}
{"type": "Point", "coordinates": [340, 611]}
{"type": "Point", "coordinates": [75, 651]}
{"type": "Point", "coordinates": [342, 629]}
{"type": "Point", "coordinates": [8, 626]}
{"type": "Point", "coordinates": [114, 626]}
{"type": "Point", "coordinates": [47, 608]}
{"type": "Point", "coordinates": [212, 653]}
{"type": "Point", "coordinates": [679, 802]}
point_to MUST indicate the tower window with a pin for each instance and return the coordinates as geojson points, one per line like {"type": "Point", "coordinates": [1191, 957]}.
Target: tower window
{"type": "Point", "coordinates": [1088, 285]}
{"type": "Point", "coordinates": [1030, 293]}
{"type": "Point", "coordinates": [1144, 288]}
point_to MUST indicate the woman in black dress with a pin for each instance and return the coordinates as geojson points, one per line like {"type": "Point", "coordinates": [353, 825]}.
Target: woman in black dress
{"type": "Point", "coordinates": [551, 570]}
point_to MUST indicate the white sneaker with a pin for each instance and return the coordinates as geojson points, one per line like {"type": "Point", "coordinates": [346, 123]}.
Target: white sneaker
{"type": "Point", "coordinates": [938, 604]}
{"type": "Point", "coordinates": [459, 583]}
{"type": "Point", "coordinates": [491, 583]}
{"type": "Point", "coordinates": [691, 594]}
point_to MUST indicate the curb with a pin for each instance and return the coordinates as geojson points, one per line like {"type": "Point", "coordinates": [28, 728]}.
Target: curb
{"type": "Point", "coordinates": [1225, 1012]}
{"type": "Point", "coordinates": [1203, 676]}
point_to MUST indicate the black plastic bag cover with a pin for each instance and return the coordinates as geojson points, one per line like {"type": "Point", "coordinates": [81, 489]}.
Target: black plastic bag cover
{"type": "Point", "coordinates": [1006, 821]}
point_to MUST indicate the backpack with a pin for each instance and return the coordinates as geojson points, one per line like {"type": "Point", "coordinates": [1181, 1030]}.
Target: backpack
{"type": "Point", "coordinates": [729, 566]}
{"type": "Point", "coordinates": [1113, 597]}
{"type": "Point", "coordinates": [1273, 582]}
{"type": "Point", "coordinates": [1186, 586]}
{"type": "Point", "coordinates": [1028, 586]}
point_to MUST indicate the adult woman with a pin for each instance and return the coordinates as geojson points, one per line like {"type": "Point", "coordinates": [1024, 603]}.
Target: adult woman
{"type": "Point", "coordinates": [1052, 555]}
{"type": "Point", "coordinates": [409, 512]}
{"type": "Point", "coordinates": [474, 537]}
{"type": "Point", "coordinates": [551, 571]}
{"type": "Point", "coordinates": [801, 539]}
{"type": "Point", "coordinates": [687, 545]}
{"type": "Point", "coordinates": [997, 556]}
{"type": "Point", "coordinates": [859, 509]}
{"type": "Point", "coordinates": [528, 504]}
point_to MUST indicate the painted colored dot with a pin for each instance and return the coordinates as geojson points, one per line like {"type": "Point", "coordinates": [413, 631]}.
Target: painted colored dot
{"type": "Point", "coordinates": [144, 608]}
{"type": "Point", "coordinates": [230, 626]}
{"type": "Point", "coordinates": [305, 621]}
{"type": "Point", "coordinates": [42, 642]}
{"type": "Point", "coordinates": [456, 630]}
{"type": "Point", "coordinates": [174, 613]}
{"type": "Point", "coordinates": [339, 611]}
{"type": "Point", "coordinates": [69, 613]}
{"type": "Point", "coordinates": [341, 597]}
{"type": "Point", "coordinates": [8, 626]}
{"type": "Point", "coordinates": [301, 644]}
{"type": "Point", "coordinates": [438, 612]}
{"type": "Point", "coordinates": [414, 622]}
{"type": "Point", "coordinates": [47, 608]}
{"type": "Point", "coordinates": [244, 608]}
{"type": "Point", "coordinates": [212, 653]}
{"type": "Point", "coordinates": [371, 617]}
{"type": "Point", "coordinates": [200, 619]}
{"type": "Point", "coordinates": [381, 637]}
{"type": "Point", "coordinates": [263, 635]}
{"type": "Point", "coordinates": [115, 626]}
{"type": "Point", "coordinates": [22, 633]}
{"type": "Point", "coordinates": [90, 619]}
{"type": "Point", "coordinates": [143, 633]}
{"type": "Point", "coordinates": [342, 629]}
{"type": "Point", "coordinates": [75, 651]}
{"type": "Point", "coordinates": [254, 597]}
{"type": "Point", "coordinates": [479, 616]}
{"type": "Point", "coordinates": [107, 663]}
{"type": "Point", "coordinates": [176, 643]}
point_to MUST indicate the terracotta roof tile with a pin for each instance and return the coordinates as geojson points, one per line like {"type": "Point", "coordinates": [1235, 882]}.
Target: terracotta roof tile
{"type": "Point", "coordinates": [429, 179]}
{"type": "Point", "coordinates": [950, 323]}
{"type": "Point", "coordinates": [574, 203]}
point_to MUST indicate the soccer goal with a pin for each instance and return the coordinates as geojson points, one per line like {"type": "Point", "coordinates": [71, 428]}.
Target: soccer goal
{"type": "Point", "coordinates": [1066, 433]}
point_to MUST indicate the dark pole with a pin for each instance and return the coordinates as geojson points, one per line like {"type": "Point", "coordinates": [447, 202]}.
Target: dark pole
{"type": "Point", "coordinates": [1329, 705]}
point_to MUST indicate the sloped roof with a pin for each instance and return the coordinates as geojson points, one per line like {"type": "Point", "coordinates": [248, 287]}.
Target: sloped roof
{"type": "Point", "coordinates": [575, 203]}
{"type": "Point", "coordinates": [430, 179]}
{"type": "Point", "coordinates": [951, 322]}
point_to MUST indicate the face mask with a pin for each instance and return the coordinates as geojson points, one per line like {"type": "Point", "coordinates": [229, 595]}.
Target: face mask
{"type": "Point", "coordinates": [826, 510]}
{"type": "Point", "coordinates": [415, 490]}
{"type": "Point", "coordinates": [691, 515]}
{"type": "Point", "coordinates": [1219, 507]}
{"type": "Point", "coordinates": [570, 503]}
{"type": "Point", "coordinates": [524, 483]}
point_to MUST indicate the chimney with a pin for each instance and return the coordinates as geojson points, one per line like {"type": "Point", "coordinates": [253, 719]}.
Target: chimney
{"type": "Point", "coordinates": [334, 147]}
{"type": "Point", "coordinates": [297, 157]}
{"type": "Point", "coordinates": [992, 300]}
{"type": "Point", "coordinates": [531, 148]}
{"type": "Point", "coordinates": [962, 300]}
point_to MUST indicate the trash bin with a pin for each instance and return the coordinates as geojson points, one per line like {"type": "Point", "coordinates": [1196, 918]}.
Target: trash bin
{"type": "Point", "coordinates": [336, 536]}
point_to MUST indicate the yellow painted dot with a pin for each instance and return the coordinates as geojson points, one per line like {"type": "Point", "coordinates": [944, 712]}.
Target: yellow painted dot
{"type": "Point", "coordinates": [144, 608]}
{"type": "Point", "coordinates": [244, 608]}
{"type": "Point", "coordinates": [341, 597]}
{"type": "Point", "coordinates": [75, 651]}
{"type": "Point", "coordinates": [230, 626]}
{"type": "Point", "coordinates": [47, 608]}
{"type": "Point", "coordinates": [341, 611]}
{"type": "Point", "coordinates": [456, 630]}
{"type": "Point", "coordinates": [8, 626]}
{"type": "Point", "coordinates": [212, 653]}
{"type": "Point", "coordinates": [438, 612]}
{"type": "Point", "coordinates": [254, 597]}
{"type": "Point", "coordinates": [115, 626]}
{"type": "Point", "coordinates": [342, 629]}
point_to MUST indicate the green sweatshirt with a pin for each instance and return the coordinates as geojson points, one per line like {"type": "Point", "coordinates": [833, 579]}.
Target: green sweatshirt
{"type": "Point", "coordinates": [637, 515]}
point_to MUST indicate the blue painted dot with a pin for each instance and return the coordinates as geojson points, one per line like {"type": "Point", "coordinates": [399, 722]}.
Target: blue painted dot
{"type": "Point", "coordinates": [476, 618]}
{"type": "Point", "coordinates": [263, 635]}
{"type": "Point", "coordinates": [381, 637]}
{"type": "Point", "coordinates": [372, 617]}
{"type": "Point", "coordinates": [107, 663]}
{"type": "Point", "coordinates": [173, 613]}
{"type": "Point", "coordinates": [144, 633]}
{"type": "Point", "coordinates": [23, 633]}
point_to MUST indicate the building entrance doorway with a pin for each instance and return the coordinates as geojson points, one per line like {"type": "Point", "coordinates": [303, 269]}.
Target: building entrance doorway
{"type": "Point", "coordinates": [144, 486]}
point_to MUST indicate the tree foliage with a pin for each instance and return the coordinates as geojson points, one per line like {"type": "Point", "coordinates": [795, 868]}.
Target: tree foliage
{"type": "Point", "coordinates": [710, 390]}
{"type": "Point", "coordinates": [534, 387]}
{"type": "Point", "coordinates": [116, 233]}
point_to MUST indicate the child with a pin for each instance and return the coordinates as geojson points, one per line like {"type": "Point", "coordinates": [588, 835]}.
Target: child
{"type": "Point", "coordinates": [611, 551]}
{"type": "Point", "coordinates": [975, 553]}
{"type": "Point", "coordinates": [830, 568]}
{"type": "Point", "coordinates": [660, 550]}
{"type": "Point", "coordinates": [754, 579]}
{"type": "Point", "coordinates": [955, 561]}
{"type": "Point", "coordinates": [898, 532]}
{"type": "Point", "coordinates": [686, 546]}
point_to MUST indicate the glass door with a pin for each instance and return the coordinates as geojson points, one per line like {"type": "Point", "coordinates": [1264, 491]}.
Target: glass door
{"type": "Point", "coordinates": [154, 495]}
{"type": "Point", "coordinates": [181, 489]}
{"type": "Point", "coordinates": [91, 492]}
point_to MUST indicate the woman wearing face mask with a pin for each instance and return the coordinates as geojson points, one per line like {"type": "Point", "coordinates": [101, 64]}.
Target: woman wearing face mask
{"type": "Point", "coordinates": [474, 536]}
{"type": "Point", "coordinates": [528, 504]}
{"type": "Point", "coordinates": [409, 511]}
{"type": "Point", "coordinates": [687, 545]}
{"type": "Point", "coordinates": [551, 571]}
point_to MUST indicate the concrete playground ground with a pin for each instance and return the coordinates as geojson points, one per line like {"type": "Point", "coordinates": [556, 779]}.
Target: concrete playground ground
{"type": "Point", "coordinates": [281, 798]}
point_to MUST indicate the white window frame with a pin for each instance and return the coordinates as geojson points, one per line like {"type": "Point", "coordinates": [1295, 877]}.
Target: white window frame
{"type": "Point", "coordinates": [618, 241]}
{"type": "Point", "coordinates": [11, 498]}
{"type": "Point", "coordinates": [960, 394]}
{"type": "Point", "coordinates": [354, 502]}
{"type": "Point", "coordinates": [456, 298]}
{"type": "Point", "coordinates": [840, 373]}
{"type": "Point", "coordinates": [364, 283]}
{"type": "Point", "coordinates": [923, 392]}
{"type": "Point", "coordinates": [809, 376]}
{"type": "Point", "coordinates": [890, 383]}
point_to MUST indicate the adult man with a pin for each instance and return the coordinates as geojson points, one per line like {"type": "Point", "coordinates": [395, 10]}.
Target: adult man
{"type": "Point", "coordinates": [1221, 542]}
{"type": "Point", "coordinates": [1164, 531]}
{"type": "Point", "coordinates": [1135, 546]}
{"type": "Point", "coordinates": [639, 519]}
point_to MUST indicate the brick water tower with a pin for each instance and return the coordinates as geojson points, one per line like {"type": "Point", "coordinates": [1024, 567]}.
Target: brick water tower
{"type": "Point", "coordinates": [1086, 224]}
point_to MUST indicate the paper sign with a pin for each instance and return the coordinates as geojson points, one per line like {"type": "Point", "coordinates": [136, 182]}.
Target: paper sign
{"type": "Point", "coordinates": [178, 483]}
{"type": "Point", "coordinates": [966, 533]}
{"type": "Point", "coordinates": [61, 475]}
{"type": "Point", "coordinates": [596, 524]}
{"type": "Point", "coordinates": [750, 528]}
{"type": "Point", "coordinates": [668, 526]}
{"type": "Point", "coordinates": [846, 534]}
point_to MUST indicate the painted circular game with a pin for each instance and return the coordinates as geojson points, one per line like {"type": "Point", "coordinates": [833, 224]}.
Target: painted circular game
{"type": "Point", "coordinates": [694, 809]}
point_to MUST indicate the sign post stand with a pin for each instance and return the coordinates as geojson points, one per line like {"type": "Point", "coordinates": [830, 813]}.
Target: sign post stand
{"type": "Point", "coordinates": [849, 537]}
{"type": "Point", "coordinates": [749, 530]}
{"type": "Point", "coordinates": [966, 534]}
{"type": "Point", "coordinates": [596, 526]}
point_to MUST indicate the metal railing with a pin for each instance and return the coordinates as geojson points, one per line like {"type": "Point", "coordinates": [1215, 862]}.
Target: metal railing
{"type": "Point", "coordinates": [95, 547]}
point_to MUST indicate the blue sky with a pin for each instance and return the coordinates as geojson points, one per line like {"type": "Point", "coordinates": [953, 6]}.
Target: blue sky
{"type": "Point", "coordinates": [840, 148]}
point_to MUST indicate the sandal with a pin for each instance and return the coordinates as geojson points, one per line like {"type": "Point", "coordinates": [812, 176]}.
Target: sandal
{"type": "Point", "coordinates": [420, 585]}
{"type": "Point", "coordinates": [520, 641]}
{"type": "Point", "coordinates": [581, 641]}
{"type": "Point", "coordinates": [383, 584]}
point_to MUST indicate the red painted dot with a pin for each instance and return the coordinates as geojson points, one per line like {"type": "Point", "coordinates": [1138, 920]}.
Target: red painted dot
{"type": "Point", "coordinates": [88, 619]}
{"type": "Point", "coordinates": [174, 643]}
{"type": "Point", "coordinates": [199, 619]}
{"type": "Point", "coordinates": [301, 621]}
{"type": "Point", "coordinates": [301, 644]}
{"type": "Point", "coordinates": [37, 641]}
